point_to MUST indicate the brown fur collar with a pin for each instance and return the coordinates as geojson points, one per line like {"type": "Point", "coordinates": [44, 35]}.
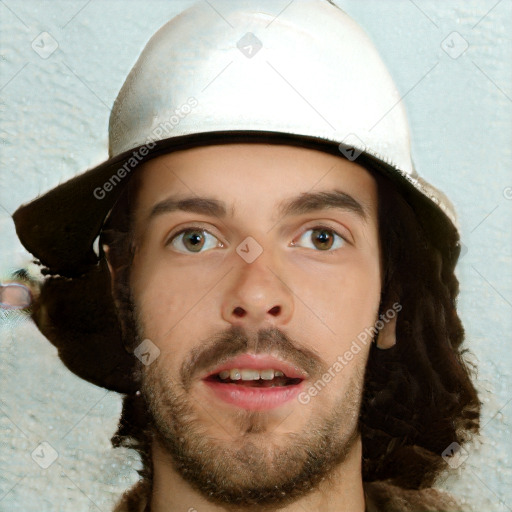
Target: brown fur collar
{"type": "Point", "coordinates": [380, 497]}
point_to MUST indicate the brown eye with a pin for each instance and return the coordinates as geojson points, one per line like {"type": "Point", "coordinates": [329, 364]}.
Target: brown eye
{"type": "Point", "coordinates": [321, 238]}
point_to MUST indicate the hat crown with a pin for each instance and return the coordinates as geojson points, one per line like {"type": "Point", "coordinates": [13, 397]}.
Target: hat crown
{"type": "Point", "coordinates": [309, 70]}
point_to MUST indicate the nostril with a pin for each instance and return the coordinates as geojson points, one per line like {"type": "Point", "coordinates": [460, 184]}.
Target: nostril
{"type": "Point", "coordinates": [239, 312]}
{"type": "Point", "coordinates": [275, 310]}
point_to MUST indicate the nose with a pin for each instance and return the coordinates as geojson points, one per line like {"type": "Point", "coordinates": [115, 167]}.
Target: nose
{"type": "Point", "coordinates": [257, 297]}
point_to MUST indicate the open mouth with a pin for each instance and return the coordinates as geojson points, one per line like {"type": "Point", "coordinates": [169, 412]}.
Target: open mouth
{"type": "Point", "coordinates": [255, 382]}
{"type": "Point", "coordinates": [267, 378]}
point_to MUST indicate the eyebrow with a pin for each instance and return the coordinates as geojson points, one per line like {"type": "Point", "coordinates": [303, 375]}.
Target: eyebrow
{"type": "Point", "coordinates": [307, 202]}
{"type": "Point", "coordinates": [313, 201]}
{"type": "Point", "coordinates": [204, 205]}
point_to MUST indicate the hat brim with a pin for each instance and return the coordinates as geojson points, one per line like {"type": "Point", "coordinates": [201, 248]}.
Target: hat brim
{"type": "Point", "coordinates": [59, 228]}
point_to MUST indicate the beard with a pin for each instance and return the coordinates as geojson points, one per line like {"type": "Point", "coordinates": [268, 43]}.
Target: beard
{"type": "Point", "coordinates": [256, 467]}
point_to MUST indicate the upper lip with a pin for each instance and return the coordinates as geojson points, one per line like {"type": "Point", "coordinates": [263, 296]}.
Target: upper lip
{"type": "Point", "coordinates": [260, 362]}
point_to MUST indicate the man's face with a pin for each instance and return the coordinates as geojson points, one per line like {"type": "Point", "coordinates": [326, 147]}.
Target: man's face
{"type": "Point", "coordinates": [259, 259]}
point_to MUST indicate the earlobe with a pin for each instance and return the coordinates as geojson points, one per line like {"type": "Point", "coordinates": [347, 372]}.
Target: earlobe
{"type": "Point", "coordinates": [387, 335]}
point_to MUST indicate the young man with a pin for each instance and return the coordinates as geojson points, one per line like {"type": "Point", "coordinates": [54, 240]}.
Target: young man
{"type": "Point", "coordinates": [273, 284]}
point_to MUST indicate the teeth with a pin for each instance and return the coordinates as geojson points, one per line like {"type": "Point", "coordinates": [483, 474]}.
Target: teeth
{"type": "Point", "coordinates": [267, 374]}
{"type": "Point", "coordinates": [234, 374]}
{"type": "Point", "coordinates": [250, 374]}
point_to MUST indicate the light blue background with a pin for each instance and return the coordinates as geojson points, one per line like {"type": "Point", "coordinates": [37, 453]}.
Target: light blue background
{"type": "Point", "coordinates": [54, 116]}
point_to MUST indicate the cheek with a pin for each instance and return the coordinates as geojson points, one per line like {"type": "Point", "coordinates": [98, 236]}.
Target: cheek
{"type": "Point", "coordinates": [339, 304]}
{"type": "Point", "coordinates": [169, 297]}
{"type": "Point", "coordinates": [154, 295]}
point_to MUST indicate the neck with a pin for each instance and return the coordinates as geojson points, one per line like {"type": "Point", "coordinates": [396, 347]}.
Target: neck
{"type": "Point", "coordinates": [342, 491]}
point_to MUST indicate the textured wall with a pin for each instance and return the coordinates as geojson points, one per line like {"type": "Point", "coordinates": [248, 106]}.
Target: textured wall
{"type": "Point", "coordinates": [54, 125]}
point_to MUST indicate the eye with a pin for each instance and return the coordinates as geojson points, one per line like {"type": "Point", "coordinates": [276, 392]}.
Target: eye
{"type": "Point", "coordinates": [194, 240]}
{"type": "Point", "coordinates": [321, 238]}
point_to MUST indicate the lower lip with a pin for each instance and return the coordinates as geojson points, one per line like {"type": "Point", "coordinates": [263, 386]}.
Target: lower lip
{"type": "Point", "coordinates": [256, 399]}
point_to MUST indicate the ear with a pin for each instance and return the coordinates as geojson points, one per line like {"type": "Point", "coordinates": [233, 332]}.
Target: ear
{"type": "Point", "coordinates": [106, 250]}
{"type": "Point", "coordinates": [387, 335]}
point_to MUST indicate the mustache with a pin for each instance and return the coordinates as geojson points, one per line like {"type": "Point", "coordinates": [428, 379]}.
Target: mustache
{"type": "Point", "coordinates": [235, 341]}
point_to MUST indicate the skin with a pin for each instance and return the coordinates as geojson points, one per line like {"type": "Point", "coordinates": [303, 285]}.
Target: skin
{"type": "Point", "coordinates": [316, 296]}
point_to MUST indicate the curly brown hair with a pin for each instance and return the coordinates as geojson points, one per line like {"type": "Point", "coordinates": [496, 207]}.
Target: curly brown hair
{"type": "Point", "coordinates": [418, 395]}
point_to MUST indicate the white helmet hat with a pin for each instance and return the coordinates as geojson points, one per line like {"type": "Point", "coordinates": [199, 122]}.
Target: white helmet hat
{"type": "Point", "coordinates": [241, 71]}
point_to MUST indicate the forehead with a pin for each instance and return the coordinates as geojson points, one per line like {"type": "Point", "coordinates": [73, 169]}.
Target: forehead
{"type": "Point", "coordinates": [246, 175]}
